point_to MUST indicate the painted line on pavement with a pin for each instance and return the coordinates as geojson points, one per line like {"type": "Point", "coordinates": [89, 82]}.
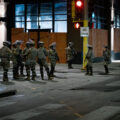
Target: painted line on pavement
{"type": "Point", "coordinates": [103, 113]}
{"type": "Point", "coordinates": [33, 112]}
{"type": "Point", "coordinates": [78, 115]}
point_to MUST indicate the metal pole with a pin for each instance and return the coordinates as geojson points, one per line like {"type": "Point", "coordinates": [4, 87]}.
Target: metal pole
{"type": "Point", "coordinates": [112, 30]}
{"type": "Point", "coordinates": [85, 39]}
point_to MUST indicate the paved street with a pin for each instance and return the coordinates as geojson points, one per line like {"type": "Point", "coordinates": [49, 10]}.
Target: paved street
{"type": "Point", "coordinates": [70, 96]}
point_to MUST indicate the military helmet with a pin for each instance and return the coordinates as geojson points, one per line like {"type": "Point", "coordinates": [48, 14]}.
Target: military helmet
{"type": "Point", "coordinates": [27, 42]}
{"type": "Point", "coordinates": [14, 44]}
{"type": "Point", "coordinates": [18, 42]}
{"type": "Point", "coordinates": [70, 43]}
{"type": "Point", "coordinates": [31, 42]}
{"type": "Point", "coordinates": [52, 44]}
{"type": "Point", "coordinates": [40, 42]}
{"type": "Point", "coordinates": [6, 43]}
{"type": "Point", "coordinates": [105, 46]}
{"type": "Point", "coordinates": [89, 46]}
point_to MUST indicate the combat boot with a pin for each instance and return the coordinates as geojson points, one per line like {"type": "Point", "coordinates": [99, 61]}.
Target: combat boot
{"type": "Point", "coordinates": [52, 75]}
{"type": "Point", "coordinates": [48, 74]}
{"type": "Point", "coordinates": [22, 75]}
{"type": "Point", "coordinates": [52, 72]}
{"type": "Point", "coordinates": [33, 78]}
{"type": "Point", "coordinates": [87, 70]}
{"type": "Point", "coordinates": [15, 76]}
{"type": "Point", "coordinates": [42, 74]}
{"type": "Point", "coordinates": [21, 72]}
{"type": "Point", "coordinates": [28, 78]}
{"type": "Point", "coordinates": [5, 77]}
{"type": "Point", "coordinates": [106, 69]}
{"type": "Point", "coordinates": [49, 77]}
{"type": "Point", "coordinates": [91, 71]}
{"type": "Point", "coordinates": [70, 67]}
{"type": "Point", "coordinates": [28, 75]}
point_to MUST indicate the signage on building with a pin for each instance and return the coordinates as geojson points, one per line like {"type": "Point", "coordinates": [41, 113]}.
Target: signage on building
{"type": "Point", "coordinates": [84, 31]}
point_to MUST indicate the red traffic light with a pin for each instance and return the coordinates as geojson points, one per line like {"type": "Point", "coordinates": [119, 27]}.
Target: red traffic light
{"type": "Point", "coordinates": [79, 3]}
{"type": "Point", "coordinates": [77, 25]}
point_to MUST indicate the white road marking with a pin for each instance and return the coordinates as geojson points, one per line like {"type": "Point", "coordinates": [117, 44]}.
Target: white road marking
{"type": "Point", "coordinates": [33, 112]}
{"type": "Point", "coordinates": [102, 113]}
{"type": "Point", "coordinates": [5, 103]}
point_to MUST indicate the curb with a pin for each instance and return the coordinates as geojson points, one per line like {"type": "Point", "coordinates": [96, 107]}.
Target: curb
{"type": "Point", "coordinates": [7, 93]}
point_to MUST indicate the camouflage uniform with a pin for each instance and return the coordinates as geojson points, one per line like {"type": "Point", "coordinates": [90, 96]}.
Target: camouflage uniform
{"type": "Point", "coordinates": [53, 57]}
{"type": "Point", "coordinates": [19, 58]}
{"type": "Point", "coordinates": [26, 53]}
{"type": "Point", "coordinates": [21, 63]}
{"type": "Point", "coordinates": [5, 54]}
{"type": "Point", "coordinates": [89, 58]}
{"type": "Point", "coordinates": [33, 57]}
{"type": "Point", "coordinates": [14, 59]}
{"type": "Point", "coordinates": [106, 57]}
{"type": "Point", "coordinates": [30, 54]}
{"type": "Point", "coordinates": [70, 53]}
{"type": "Point", "coordinates": [42, 53]}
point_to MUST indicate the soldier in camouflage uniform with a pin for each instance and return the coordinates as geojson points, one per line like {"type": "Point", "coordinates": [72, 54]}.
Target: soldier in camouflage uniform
{"type": "Point", "coordinates": [21, 65]}
{"type": "Point", "coordinates": [19, 57]}
{"type": "Point", "coordinates": [32, 57]}
{"type": "Point", "coordinates": [42, 54]}
{"type": "Point", "coordinates": [5, 54]}
{"type": "Point", "coordinates": [70, 53]}
{"type": "Point", "coordinates": [26, 58]}
{"type": "Point", "coordinates": [30, 54]}
{"type": "Point", "coordinates": [106, 57]}
{"type": "Point", "coordinates": [14, 59]}
{"type": "Point", "coordinates": [53, 57]}
{"type": "Point", "coordinates": [89, 58]}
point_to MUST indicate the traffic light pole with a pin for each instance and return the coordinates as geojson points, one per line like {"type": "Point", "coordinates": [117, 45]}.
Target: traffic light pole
{"type": "Point", "coordinates": [85, 39]}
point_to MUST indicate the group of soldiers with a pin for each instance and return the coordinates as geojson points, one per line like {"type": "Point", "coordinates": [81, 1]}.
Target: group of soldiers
{"type": "Point", "coordinates": [28, 58]}
{"type": "Point", "coordinates": [71, 53]}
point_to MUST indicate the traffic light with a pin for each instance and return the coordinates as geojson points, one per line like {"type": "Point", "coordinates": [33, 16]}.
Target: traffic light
{"type": "Point", "coordinates": [79, 9]}
{"type": "Point", "coordinates": [77, 25]}
{"type": "Point", "coordinates": [79, 3]}
{"type": "Point", "coordinates": [77, 13]}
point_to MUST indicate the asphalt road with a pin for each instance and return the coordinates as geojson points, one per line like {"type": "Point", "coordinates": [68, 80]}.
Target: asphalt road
{"type": "Point", "coordinates": [69, 96]}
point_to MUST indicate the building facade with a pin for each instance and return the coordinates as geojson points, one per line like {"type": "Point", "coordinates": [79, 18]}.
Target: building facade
{"type": "Point", "coordinates": [55, 16]}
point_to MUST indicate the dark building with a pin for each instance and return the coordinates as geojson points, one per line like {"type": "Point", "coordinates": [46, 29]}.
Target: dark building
{"type": "Point", "coordinates": [55, 15]}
